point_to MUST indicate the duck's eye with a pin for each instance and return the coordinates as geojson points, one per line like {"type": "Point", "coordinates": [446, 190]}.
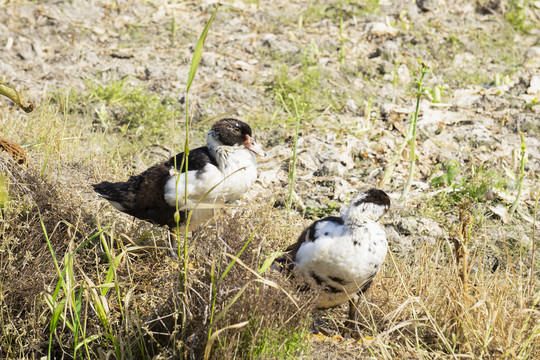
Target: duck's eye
{"type": "Point", "coordinates": [237, 130]}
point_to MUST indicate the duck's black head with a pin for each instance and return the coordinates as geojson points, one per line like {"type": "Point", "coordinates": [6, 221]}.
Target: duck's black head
{"type": "Point", "coordinates": [233, 132]}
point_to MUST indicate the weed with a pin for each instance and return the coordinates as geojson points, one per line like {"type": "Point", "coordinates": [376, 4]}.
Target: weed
{"type": "Point", "coordinates": [301, 88]}
{"type": "Point", "coordinates": [411, 136]}
{"type": "Point", "coordinates": [197, 53]}
{"type": "Point", "coordinates": [472, 183]}
{"type": "Point", "coordinates": [4, 194]}
{"type": "Point", "coordinates": [521, 175]}
{"type": "Point", "coordinates": [279, 344]}
{"type": "Point", "coordinates": [532, 103]}
{"type": "Point", "coordinates": [132, 111]}
{"type": "Point", "coordinates": [318, 213]}
{"type": "Point", "coordinates": [451, 169]}
{"type": "Point", "coordinates": [342, 41]}
{"type": "Point", "coordinates": [516, 15]}
{"type": "Point", "coordinates": [395, 82]}
{"type": "Point", "coordinates": [292, 170]}
{"type": "Point", "coordinates": [535, 194]}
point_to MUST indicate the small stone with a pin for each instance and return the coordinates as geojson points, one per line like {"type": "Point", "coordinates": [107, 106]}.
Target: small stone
{"type": "Point", "coordinates": [430, 227]}
{"type": "Point", "coordinates": [351, 106]}
{"type": "Point", "coordinates": [532, 58]}
{"type": "Point", "coordinates": [534, 86]}
{"type": "Point", "coordinates": [389, 50]}
{"type": "Point", "coordinates": [427, 5]}
{"type": "Point", "coordinates": [407, 226]}
{"type": "Point", "coordinates": [501, 213]}
{"type": "Point", "coordinates": [380, 29]}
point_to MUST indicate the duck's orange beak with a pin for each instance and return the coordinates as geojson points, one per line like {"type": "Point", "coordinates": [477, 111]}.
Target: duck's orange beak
{"type": "Point", "coordinates": [250, 144]}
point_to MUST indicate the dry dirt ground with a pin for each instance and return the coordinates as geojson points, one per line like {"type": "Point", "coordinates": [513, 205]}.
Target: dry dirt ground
{"type": "Point", "coordinates": [109, 80]}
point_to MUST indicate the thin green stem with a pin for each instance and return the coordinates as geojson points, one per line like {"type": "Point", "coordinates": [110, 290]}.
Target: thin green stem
{"type": "Point", "coordinates": [292, 170]}
{"type": "Point", "coordinates": [414, 121]}
{"type": "Point", "coordinates": [531, 275]}
{"type": "Point", "coordinates": [522, 160]}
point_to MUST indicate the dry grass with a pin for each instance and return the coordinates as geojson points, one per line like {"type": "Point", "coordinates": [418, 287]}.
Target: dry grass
{"type": "Point", "coordinates": [122, 286]}
{"type": "Point", "coordinates": [142, 315]}
{"type": "Point", "coordinates": [417, 307]}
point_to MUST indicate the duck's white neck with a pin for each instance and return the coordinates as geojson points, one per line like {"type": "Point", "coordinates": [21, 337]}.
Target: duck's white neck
{"type": "Point", "coordinates": [230, 158]}
{"type": "Point", "coordinates": [361, 213]}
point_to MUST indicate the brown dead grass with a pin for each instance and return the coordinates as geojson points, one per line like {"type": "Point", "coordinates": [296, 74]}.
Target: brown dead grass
{"type": "Point", "coordinates": [416, 308]}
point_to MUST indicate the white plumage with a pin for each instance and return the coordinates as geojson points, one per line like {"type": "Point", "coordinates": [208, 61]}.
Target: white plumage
{"type": "Point", "coordinates": [342, 254]}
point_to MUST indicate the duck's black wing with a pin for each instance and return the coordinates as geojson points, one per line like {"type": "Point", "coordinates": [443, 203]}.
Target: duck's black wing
{"type": "Point", "coordinates": [142, 196]}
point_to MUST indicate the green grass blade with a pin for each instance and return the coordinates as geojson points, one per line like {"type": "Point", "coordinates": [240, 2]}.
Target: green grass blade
{"type": "Point", "coordinates": [239, 253]}
{"type": "Point", "coordinates": [269, 261]}
{"type": "Point", "coordinates": [111, 272]}
{"type": "Point", "coordinates": [87, 341]}
{"type": "Point", "coordinates": [198, 51]}
{"type": "Point", "coordinates": [232, 301]}
{"type": "Point", "coordinates": [57, 312]}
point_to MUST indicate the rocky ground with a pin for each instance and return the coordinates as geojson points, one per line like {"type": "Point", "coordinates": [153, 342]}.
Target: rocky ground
{"type": "Point", "coordinates": [350, 68]}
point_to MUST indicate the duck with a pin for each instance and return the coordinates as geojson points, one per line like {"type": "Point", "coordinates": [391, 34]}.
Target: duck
{"type": "Point", "coordinates": [341, 255]}
{"type": "Point", "coordinates": [220, 172]}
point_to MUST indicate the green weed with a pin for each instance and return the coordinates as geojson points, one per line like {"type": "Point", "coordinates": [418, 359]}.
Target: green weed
{"type": "Point", "coordinates": [472, 183]}
{"type": "Point", "coordinates": [411, 135]}
{"type": "Point", "coordinates": [301, 87]}
{"type": "Point", "coordinates": [279, 344]}
{"type": "Point", "coordinates": [4, 194]}
{"type": "Point", "coordinates": [516, 15]}
{"type": "Point", "coordinates": [132, 110]}
{"type": "Point", "coordinates": [318, 213]}
{"type": "Point", "coordinates": [521, 175]}
{"type": "Point", "coordinates": [451, 170]}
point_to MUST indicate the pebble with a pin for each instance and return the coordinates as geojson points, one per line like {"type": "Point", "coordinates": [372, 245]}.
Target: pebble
{"type": "Point", "coordinates": [534, 86]}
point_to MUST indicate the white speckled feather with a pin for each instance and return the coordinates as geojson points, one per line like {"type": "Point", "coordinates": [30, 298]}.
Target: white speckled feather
{"type": "Point", "coordinates": [354, 256]}
{"type": "Point", "coordinates": [344, 254]}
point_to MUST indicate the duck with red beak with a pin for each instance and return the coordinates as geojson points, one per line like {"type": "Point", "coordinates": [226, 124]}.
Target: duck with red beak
{"type": "Point", "coordinates": [222, 171]}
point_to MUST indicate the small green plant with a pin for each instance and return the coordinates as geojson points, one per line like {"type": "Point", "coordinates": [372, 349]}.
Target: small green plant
{"type": "Point", "coordinates": [532, 103]}
{"type": "Point", "coordinates": [292, 165]}
{"type": "Point", "coordinates": [280, 344]}
{"type": "Point", "coordinates": [132, 110]}
{"type": "Point", "coordinates": [72, 292]}
{"type": "Point", "coordinates": [216, 279]}
{"type": "Point", "coordinates": [395, 82]}
{"type": "Point", "coordinates": [434, 94]}
{"type": "Point", "coordinates": [411, 135]}
{"type": "Point", "coordinates": [521, 175]}
{"type": "Point", "coordinates": [451, 170]}
{"type": "Point", "coordinates": [410, 138]}
{"type": "Point", "coordinates": [300, 88]}
{"type": "Point", "coordinates": [4, 193]}
{"type": "Point", "coordinates": [317, 213]}
{"type": "Point", "coordinates": [516, 15]}
{"type": "Point", "coordinates": [535, 194]}
{"type": "Point", "coordinates": [342, 41]}
{"type": "Point", "coordinates": [470, 183]}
